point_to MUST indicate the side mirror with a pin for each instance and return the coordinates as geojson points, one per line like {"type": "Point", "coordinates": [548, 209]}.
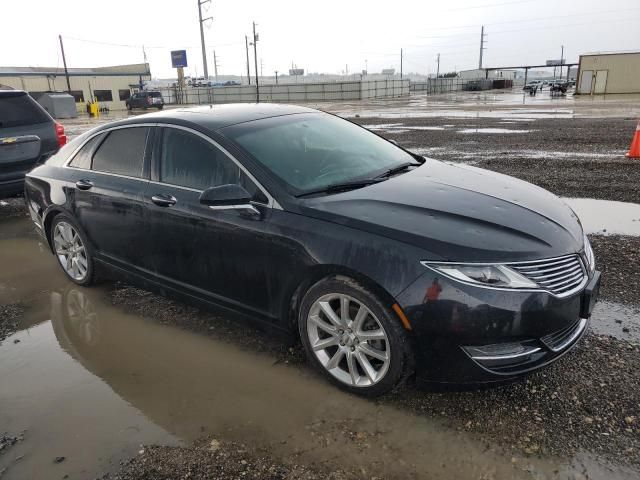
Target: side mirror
{"type": "Point", "coordinates": [228, 197]}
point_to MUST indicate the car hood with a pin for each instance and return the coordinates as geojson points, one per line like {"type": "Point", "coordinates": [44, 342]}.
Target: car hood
{"type": "Point", "coordinates": [458, 213]}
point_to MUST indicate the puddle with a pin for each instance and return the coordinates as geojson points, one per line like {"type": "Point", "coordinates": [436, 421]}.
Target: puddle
{"type": "Point", "coordinates": [492, 130]}
{"type": "Point", "coordinates": [607, 217]}
{"type": "Point", "coordinates": [91, 382]}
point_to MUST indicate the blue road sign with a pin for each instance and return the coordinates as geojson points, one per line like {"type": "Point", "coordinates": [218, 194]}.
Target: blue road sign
{"type": "Point", "coordinates": [178, 58]}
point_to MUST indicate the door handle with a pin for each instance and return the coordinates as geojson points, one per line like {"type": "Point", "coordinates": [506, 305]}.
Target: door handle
{"type": "Point", "coordinates": [164, 200]}
{"type": "Point", "coordinates": [84, 184]}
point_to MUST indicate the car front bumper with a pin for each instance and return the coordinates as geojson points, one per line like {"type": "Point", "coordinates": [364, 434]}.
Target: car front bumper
{"type": "Point", "coordinates": [468, 335]}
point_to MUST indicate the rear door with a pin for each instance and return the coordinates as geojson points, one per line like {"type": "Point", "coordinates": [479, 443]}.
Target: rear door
{"type": "Point", "coordinates": [27, 135]}
{"type": "Point", "coordinates": [109, 178]}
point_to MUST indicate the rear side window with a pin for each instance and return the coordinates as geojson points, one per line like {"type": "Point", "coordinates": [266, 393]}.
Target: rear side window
{"type": "Point", "coordinates": [18, 111]}
{"type": "Point", "coordinates": [82, 159]}
{"type": "Point", "coordinates": [122, 152]}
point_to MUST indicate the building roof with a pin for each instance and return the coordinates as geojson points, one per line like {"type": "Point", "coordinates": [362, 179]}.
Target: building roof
{"type": "Point", "coordinates": [618, 52]}
{"type": "Point", "coordinates": [113, 71]}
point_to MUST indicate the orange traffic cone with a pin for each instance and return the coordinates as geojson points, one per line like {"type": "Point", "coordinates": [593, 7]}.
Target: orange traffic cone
{"type": "Point", "coordinates": [634, 149]}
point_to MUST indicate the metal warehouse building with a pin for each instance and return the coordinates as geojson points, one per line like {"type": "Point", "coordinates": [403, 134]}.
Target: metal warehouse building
{"type": "Point", "coordinates": [111, 86]}
{"type": "Point", "coordinates": [615, 72]}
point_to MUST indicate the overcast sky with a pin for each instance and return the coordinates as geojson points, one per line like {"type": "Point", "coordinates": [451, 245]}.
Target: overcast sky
{"type": "Point", "coordinates": [323, 36]}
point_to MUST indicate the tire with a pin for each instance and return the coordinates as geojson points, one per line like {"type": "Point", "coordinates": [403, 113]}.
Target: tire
{"type": "Point", "coordinates": [129, 107]}
{"type": "Point", "coordinates": [160, 107]}
{"type": "Point", "coordinates": [67, 236]}
{"type": "Point", "coordinates": [343, 357]}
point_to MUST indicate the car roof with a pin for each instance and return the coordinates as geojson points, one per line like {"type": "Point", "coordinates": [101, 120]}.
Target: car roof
{"type": "Point", "coordinates": [214, 117]}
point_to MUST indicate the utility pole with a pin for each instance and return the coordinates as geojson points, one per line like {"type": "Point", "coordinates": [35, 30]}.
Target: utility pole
{"type": "Point", "coordinates": [482, 47]}
{"type": "Point", "coordinates": [261, 74]}
{"type": "Point", "coordinates": [276, 77]}
{"type": "Point", "coordinates": [215, 65]}
{"type": "Point", "coordinates": [400, 64]}
{"type": "Point", "coordinates": [438, 70]}
{"type": "Point", "coordinates": [246, 45]}
{"type": "Point", "coordinates": [561, 59]}
{"type": "Point", "coordinates": [255, 60]}
{"type": "Point", "coordinates": [204, 50]}
{"type": "Point", "coordinates": [64, 61]}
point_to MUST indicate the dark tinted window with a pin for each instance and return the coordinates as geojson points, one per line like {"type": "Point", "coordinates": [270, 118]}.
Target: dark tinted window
{"type": "Point", "coordinates": [154, 94]}
{"type": "Point", "coordinates": [122, 152]}
{"type": "Point", "coordinates": [103, 95]}
{"type": "Point", "coordinates": [19, 110]}
{"type": "Point", "coordinates": [190, 161]}
{"type": "Point", "coordinates": [124, 94]}
{"type": "Point", "coordinates": [82, 159]}
{"type": "Point", "coordinates": [78, 95]}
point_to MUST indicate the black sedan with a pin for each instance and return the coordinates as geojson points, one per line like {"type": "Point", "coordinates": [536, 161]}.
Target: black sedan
{"type": "Point", "coordinates": [383, 262]}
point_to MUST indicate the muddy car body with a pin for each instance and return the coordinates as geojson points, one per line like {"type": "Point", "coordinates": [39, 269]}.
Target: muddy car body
{"type": "Point", "coordinates": [457, 273]}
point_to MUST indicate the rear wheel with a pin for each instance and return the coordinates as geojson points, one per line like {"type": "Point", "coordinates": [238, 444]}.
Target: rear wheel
{"type": "Point", "coordinates": [351, 337]}
{"type": "Point", "coordinates": [71, 249]}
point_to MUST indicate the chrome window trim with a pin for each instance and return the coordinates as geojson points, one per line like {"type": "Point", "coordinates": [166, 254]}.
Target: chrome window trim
{"type": "Point", "coordinates": [568, 293]}
{"type": "Point", "coordinates": [272, 202]}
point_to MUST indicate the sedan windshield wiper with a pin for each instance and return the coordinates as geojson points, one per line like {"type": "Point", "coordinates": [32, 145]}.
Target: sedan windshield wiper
{"type": "Point", "coordinates": [342, 187]}
{"type": "Point", "coordinates": [398, 169]}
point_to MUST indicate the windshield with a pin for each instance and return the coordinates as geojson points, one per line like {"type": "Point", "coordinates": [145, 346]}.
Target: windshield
{"type": "Point", "coordinates": [311, 151]}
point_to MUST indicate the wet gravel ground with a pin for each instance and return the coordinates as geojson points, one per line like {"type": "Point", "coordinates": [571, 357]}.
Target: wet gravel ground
{"type": "Point", "coordinates": [13, 207]}
{"type": "Point", "coordinates": [618, 258]}
{"type": "Point", "coordinates": [211, 458]}
{"type": "Point", "coordinates": [578, 157]}
{"type": "Point", "coordinates": [9, 320]}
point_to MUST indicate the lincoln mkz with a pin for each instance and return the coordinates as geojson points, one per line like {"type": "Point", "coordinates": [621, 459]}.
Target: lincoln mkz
{"type": "Point", "coordinates": [385, 264]}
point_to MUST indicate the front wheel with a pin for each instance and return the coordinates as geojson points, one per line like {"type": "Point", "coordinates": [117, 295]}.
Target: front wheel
{"type": "Point", "coordinates": [72, 251]}
{"type": "Point", "coordinates": [350, 336]}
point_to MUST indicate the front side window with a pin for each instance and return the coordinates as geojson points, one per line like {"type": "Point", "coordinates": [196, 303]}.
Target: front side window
{"type": "Point", "coordinates": [311, 151]}
{"type": "Point", "coordinates": [190, 161]}
{"type": "Point", "coordinates": [122, 152]}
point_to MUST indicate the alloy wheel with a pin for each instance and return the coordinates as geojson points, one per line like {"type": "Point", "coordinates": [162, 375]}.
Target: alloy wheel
{"type": "Point", "coordinates": [70, 251]}
{"type": "Point", "coordinates": [348, 340]}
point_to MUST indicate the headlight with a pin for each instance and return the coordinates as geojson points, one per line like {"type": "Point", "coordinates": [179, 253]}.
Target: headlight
{"type": "Point", "coordinates": [492, 276]}
{"type": "Point", "coordinates": [588, 254]}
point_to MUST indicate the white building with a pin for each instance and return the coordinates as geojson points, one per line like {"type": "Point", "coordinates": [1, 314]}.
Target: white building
{"type": "Point", "coordinates": [111, 86]}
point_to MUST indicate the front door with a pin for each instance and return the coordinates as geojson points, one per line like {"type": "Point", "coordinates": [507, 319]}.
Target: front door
{"type": "Point", "coordinates": [218, 254]}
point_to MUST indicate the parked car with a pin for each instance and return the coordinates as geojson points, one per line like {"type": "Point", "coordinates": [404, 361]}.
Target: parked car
{"type": "Point", "coordinates": [383, 263]}
{"type": "Point", "coordinates": [28, 136]}
{"type": "Point", "coordinates": [145, 99]}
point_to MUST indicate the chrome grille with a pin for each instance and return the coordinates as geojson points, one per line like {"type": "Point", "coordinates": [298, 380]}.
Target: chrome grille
{"type": "Point", "coordinates": [559, 275]}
